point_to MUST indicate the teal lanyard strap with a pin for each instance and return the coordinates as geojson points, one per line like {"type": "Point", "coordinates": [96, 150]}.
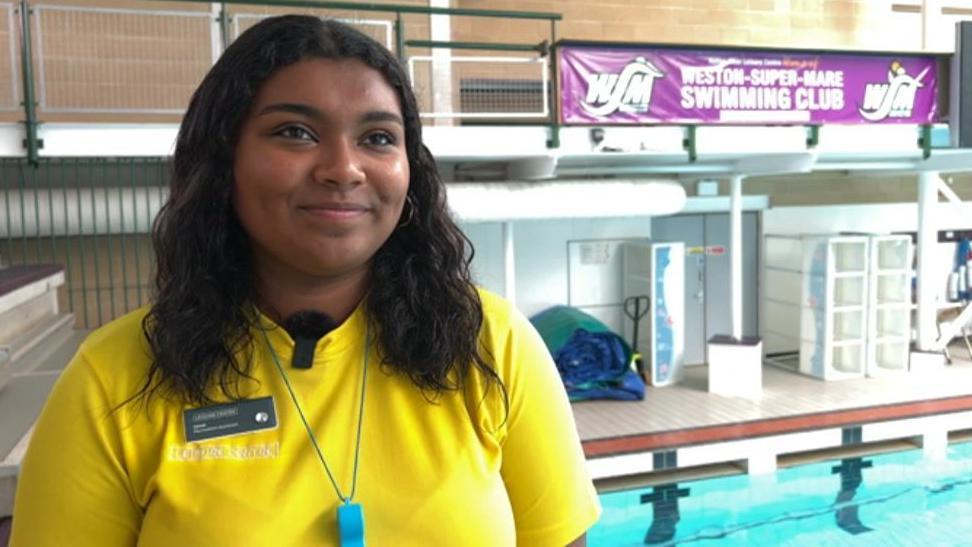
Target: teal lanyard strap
{"type": "Point", "coordinates": [307, 427]}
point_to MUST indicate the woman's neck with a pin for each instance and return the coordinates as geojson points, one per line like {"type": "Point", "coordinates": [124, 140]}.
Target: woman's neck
{"type": "Point", "coordinates": [280, 293]}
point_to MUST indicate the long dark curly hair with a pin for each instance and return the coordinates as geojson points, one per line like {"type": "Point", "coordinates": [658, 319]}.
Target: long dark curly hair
{"type": "Point", "coordinates": [422, 304]}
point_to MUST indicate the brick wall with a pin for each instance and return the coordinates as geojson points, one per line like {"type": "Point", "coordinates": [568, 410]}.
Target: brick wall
{"type": "Point", "coordinates": [824, 24]}
{"type": "Point", "coordinates": [137, 64]}
{"type": "Point", "coordinates": [821, 24]}
{"type": "Point", "coordinates": [878, 25]}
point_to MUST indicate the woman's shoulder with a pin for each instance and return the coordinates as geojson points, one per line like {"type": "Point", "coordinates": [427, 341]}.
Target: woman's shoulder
{"type": "Point", "coordinates": [121, 331]}
{"type": "Point", "coordinates": [119, 346]}
{"type": "Point", "coordinates": [503, 323]}
{"type": "Point", "coordinates": [499, 314]}
{"type": "Point", "coordinates": [493, 304]}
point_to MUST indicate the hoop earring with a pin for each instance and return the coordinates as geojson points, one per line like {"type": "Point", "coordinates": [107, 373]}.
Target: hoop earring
{"type": "Point", "coordinates": [410, 205]}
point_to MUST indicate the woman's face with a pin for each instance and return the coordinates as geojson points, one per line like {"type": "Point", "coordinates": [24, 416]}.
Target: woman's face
{"type": "Point", "coordinates": [321, 170]}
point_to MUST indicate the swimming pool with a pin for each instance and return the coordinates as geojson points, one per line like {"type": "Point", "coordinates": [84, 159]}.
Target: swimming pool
{"type": "Point", "coordinates": [891, 499]}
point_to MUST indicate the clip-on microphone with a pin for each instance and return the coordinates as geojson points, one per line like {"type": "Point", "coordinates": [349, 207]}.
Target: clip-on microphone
{"type": "Point", "coordinates": [306, 327]}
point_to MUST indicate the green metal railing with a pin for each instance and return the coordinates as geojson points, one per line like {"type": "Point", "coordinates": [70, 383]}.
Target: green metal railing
{"type": "Point", "coordinates": [33, 145]}
{"type": "Point", "coordinates": [31, 142]}
{"type": "Point", "coordinates": [482, 46]}
{"type": "Point", "coordinates": [94, 215]}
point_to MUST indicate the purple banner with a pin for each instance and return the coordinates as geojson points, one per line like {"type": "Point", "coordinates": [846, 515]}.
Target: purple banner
{"type": "Point", "coordinates": [643, 85]}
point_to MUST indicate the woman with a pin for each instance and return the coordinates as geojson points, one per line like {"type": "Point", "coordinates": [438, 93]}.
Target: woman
{"type": "Point", "coordinates": [316, 368]}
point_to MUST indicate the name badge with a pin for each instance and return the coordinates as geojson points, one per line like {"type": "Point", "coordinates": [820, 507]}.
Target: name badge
{"type": "Point", "coordinates": [229, 419]}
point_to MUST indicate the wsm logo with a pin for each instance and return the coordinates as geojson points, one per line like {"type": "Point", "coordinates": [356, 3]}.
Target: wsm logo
{"type": "Point", "coordinates": [629, 91]}
{"type": "Point", "coordinates": [895, 99]}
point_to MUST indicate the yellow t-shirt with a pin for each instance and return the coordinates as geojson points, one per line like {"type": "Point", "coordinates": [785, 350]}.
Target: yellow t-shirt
{"type": "Point", "coordinates": [452, 472]}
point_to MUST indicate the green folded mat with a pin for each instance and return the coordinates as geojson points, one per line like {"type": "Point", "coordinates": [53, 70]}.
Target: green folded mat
{"type": "Point", "coordinates": [556, 324]}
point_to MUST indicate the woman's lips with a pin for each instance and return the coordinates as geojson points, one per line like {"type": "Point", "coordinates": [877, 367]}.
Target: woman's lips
{"type": "Point", "coordinates": [335, 211]}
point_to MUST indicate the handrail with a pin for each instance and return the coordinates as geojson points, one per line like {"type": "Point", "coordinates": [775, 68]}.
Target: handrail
{"type": "Point", "coordinates": [394, 8]}
{"type": "Point", "coordinates": [33, 143]}
{"type": "Point", "coordinates": [484, 46]}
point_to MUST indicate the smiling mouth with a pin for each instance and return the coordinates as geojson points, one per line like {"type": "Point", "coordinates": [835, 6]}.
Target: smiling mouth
{"type": "Point", "coordinates": [335, 211]}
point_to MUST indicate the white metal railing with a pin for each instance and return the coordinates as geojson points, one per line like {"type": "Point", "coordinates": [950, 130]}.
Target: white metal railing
{"type": "Point", "coordinates": [11, 102]}
{"type": "Point", "coordinates": [378, 29]}
{"type": "Point", "coordinates": [125, 82]}
{"type": "Point", "coordinates": [520, 86]}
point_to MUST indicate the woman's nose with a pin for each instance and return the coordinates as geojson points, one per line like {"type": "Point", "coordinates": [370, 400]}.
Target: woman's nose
{"type": "Point", "coordinates": [338, 163]}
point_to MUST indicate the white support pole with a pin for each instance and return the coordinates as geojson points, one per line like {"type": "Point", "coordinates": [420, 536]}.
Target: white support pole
{"type": "Point", "coordinates": [927, 237]}
{"type": "Point", "coordinates": [440, 29]}
{"type": "Point", "coordinates": [215, 32]}
{"type": "Point", "coordinates": [509, 263]}
{"type": "Point", "coordinates": [925, 21]}
{"type": "Point", "coordinates": [930, 23]}
{"type": "Point", "coordinates": [735, 254]}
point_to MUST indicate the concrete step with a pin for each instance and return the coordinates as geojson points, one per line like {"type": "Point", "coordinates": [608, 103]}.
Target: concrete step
{"type": "Point", "coordinates": [26, 314]}
{"type": "Point", "coordinates": [40, 334]}
{"type": "Point", "coordinates": [19, 284]}
{"type": "Point", "coordinates": [36, 342]}
{"type": "Point", "coordinates": [22, 399]}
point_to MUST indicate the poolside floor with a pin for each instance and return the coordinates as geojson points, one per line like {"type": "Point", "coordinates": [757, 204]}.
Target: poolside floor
{"type": "Point", "coordinates": [687, 414]}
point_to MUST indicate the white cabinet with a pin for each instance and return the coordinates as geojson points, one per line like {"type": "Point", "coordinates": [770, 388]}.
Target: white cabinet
{"type": "Point", "coordinates": [815, 301]}
{"type": "Point", "coordinates": [889, 304]}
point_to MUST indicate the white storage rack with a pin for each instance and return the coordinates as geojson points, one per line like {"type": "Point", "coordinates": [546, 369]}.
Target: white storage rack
{"type": "Point", "coordinates": [889, 304]}
{"type": "Point", "coordinates": [815, 300]}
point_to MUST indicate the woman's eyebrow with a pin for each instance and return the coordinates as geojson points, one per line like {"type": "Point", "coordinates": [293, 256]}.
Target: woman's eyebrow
{"type": "Point", "coordinates": [382, 116]}
{"type": "Point", "coordinates": [316, 115]}
{"type": "Point", "coordinates": [293, 108]}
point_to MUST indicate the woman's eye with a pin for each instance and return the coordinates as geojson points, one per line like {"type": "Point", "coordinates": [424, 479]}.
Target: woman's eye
{"type": "Point", "coordinates": [296, 132]}
{"type": "Point", "coordinates": [380, 138]}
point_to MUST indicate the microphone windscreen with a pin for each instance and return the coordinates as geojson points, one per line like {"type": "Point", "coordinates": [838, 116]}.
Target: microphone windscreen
{"type": "Point", "coordinates": [306, 327]}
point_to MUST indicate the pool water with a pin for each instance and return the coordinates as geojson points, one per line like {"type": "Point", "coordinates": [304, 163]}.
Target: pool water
{"type": "Point", "coordinates": [891, 499]}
